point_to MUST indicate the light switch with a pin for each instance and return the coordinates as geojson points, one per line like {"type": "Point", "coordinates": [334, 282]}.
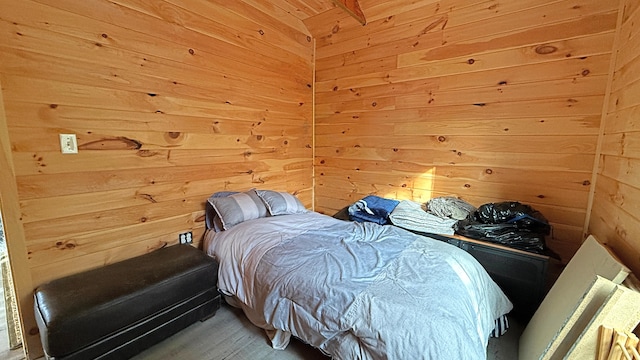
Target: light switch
{"type": "Point", "coordinates": [68, 144]}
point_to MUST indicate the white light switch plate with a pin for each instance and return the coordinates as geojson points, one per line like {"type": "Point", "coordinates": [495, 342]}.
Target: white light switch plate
{"type": "Point", "coordinates": [68, 144]}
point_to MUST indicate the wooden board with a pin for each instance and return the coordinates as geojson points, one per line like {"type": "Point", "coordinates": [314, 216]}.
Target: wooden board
{"type": "Point", "coordinates": [620, 311]}
{"type": "Point", "coordinates": [567, 294]}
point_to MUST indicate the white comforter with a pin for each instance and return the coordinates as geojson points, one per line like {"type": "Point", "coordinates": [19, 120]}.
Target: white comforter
{"type": "Point", "coordinates": [358, 290]}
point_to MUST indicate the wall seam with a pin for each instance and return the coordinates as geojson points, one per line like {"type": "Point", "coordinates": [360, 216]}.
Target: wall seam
{"type": "Point", "coordinates": [603, 117]}
{"type": "Point", "coordinates": [313, 127]}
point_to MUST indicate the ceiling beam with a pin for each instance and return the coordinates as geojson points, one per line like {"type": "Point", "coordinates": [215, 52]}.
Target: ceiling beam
{"type": "Point", "coordinates": [353, 8]}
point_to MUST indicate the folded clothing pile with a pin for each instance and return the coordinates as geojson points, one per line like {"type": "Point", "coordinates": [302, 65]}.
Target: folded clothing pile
{"type": "Point", "coordinates": [410, 215]}
{"type": "Point", "coordinates": [450, 207]}
{"type": "Point", "coordinates": [373, 209]}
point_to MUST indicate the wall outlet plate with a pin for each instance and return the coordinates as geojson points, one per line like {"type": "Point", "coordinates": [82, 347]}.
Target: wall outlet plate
{"type": "Point", "coordinates": [186, 238]}
{"type": "Point", "coordinates": [68, 144]}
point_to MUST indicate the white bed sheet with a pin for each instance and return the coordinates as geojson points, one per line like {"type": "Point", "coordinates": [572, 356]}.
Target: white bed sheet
{"type": "Point", "coordinates": [358, 290]}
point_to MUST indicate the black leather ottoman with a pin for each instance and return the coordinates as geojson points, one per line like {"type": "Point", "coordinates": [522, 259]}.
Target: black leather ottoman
{"type": "Point", "coordinates": [116, 311]}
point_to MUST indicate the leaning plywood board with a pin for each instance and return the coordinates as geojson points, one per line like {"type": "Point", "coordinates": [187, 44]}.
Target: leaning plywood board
{"type": "Point", "coordinates": [619, 311]}
{"type": "Point", "coordinates": [586, 307]}
{"type": "Point", "coordinates": [591, 259]}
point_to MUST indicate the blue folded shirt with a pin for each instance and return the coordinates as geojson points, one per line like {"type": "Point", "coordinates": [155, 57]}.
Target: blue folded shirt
{"type": "Point", "coordinates": [373, 209]}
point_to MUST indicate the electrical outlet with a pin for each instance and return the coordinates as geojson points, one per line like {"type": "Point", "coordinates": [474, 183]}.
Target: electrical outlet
{"type": "Point", "coordinates": [186, 238]}
{"type": "Point", "coordinates": [68, 144]}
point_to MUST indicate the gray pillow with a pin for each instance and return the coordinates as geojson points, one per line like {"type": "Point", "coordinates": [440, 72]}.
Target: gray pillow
{"type": "Point", "coordinates": [236, 208]}
{"type": "Point", "coordinates": [212, 220]}
{"type": "Point", "coordinates": [281, 203]}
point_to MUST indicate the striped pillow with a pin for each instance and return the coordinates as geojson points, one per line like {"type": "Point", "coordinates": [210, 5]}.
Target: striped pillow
{"type": "Point", "coordinates": [281, 203]}
{"type": "Point", "coordinates": [237, 208]}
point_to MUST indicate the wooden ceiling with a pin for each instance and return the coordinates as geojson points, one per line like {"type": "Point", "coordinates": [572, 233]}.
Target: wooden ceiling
{"type": "Point", "coordinates": [304, 9]}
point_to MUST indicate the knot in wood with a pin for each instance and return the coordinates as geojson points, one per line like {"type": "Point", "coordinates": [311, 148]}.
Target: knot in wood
{"type": "Point", "coordinates": [546, 49]}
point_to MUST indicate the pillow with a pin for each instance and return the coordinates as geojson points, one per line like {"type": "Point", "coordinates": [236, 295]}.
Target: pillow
{"type": "Point", "coordinates": [281, 203]}
{"type": "Point", "coordinates": [212, 220]}
{"type": "Point", "coordinates": [236, 208]}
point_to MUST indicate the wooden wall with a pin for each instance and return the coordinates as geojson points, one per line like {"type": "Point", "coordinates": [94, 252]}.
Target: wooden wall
{"type": "Point", "coordinates": [170, 100]}
{"type": "Point", "coordinates": [615, 218]}
{"type": "Point", "coordinates": [486, 100]}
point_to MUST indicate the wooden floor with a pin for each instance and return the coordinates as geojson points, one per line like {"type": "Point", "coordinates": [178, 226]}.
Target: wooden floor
{"type": "Point", "coordinates": [5, 352]}
{"type": "Point", "coordinates": [229, 335]}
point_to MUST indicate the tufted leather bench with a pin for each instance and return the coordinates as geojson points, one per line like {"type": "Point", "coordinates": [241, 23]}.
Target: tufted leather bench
{"type": "Point", "coordinates": [116, 311]}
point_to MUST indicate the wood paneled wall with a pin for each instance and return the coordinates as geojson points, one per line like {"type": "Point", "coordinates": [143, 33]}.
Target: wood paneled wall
{"type": "Point", "coordinates": [615, 218]}
{"type": "Point", "coordinates": [170, 100]}
{"type": "Point", "coordinates": [486, 100]}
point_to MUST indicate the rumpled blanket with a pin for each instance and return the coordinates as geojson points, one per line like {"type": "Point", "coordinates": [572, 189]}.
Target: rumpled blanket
{"type": "Point", "coordinates": [409, 215]}
{"type": "Point", "coordinates": [358, 290]}
{"type": "Point", "coordinates": [372, 209]}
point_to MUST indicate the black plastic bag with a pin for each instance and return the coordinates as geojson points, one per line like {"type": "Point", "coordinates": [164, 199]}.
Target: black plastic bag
{"type": "Point", "coordinates": [508, 223]}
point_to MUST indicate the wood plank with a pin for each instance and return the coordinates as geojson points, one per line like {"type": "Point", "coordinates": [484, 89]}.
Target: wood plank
{"type": "Point", "coordinates": [13, 229]}
{"type": "Point", "coordinates": [572, 68]}
{"type": "Point", "coordinates": [430, 44]}
{"type": "Point", "coordinates": [218, 22]}
{"type": "Point", "coordinates": [54, 162]}
{"type": "Point", "coordinates": [464, 12]}
{"type": "Point", "coordinates": [284, 17]}
{"type": "Point", "coordinates": [89, 140]}
{"type": "Point", "coordinates": [545, 15]}
{"type": "Point", "coordinates": [352, 7]}
{"type": "Point", "coordinates": [583, 47]}
{"type": "Point", "coordinates": [619, 311]}
{"type": "Point", "coordinates": [624, 197]}
{"type": "Point", "coordinates": [575, 281]}
{"type": "Point", "coordinates": [617, 229]}
{"type": "Point", "coordinates": [514, 160]}
{"type": "Point", "coordinates": [621, 169]}
{"type": "Point", "coordinates": [525, 144]}
{"type": "Point", "coordinates": [582, 125]}
{"type": "Point", "coordinates": [625, 120]}
{"type": "Point", "coordinates": [584, 86]}
{"type": "Point", "coordinates": [218, 98]}
{"type": "Point", "coordinates": [230, 121]}
{"type": "Point", "coordinates": [486, 60]}
{"type": "Point", "coordinates": [21, 89]}
{"type": "Point", "coordinates": [333, 29]}
{"type": "Point", "coordinates": [133, 51]}
{"type": "Point", "coordinates": [134, 20]}
{"type": "Point", "coordinates": [47, 67]}
{"type": "Point", "coordinates": [57, 269]}
{"type": "Point", "coordinates": [383, 9]}
{"type": "Point", "coordinates": [460, 187]}
{"type": "Point", "coordinates": [626, 145]}
{"type": "Point", "coordinates": [117, 37]}
{"type": "Point", "coordinates": [436, 114]}
{"type": "Point", "coordinates": [624, 98]}
{"type": "Point", "coordinates": [412, 175]}
{"type": "Point", "coordinates": [304, 8]}
{"type": "Point", "coordinates": [66, 229]}
{"type": "Point", "coordinates": [38, 186]}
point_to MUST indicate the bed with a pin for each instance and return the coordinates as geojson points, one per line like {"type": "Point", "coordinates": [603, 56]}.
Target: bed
{"type": "Point", "coordinates": [352, 290]}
